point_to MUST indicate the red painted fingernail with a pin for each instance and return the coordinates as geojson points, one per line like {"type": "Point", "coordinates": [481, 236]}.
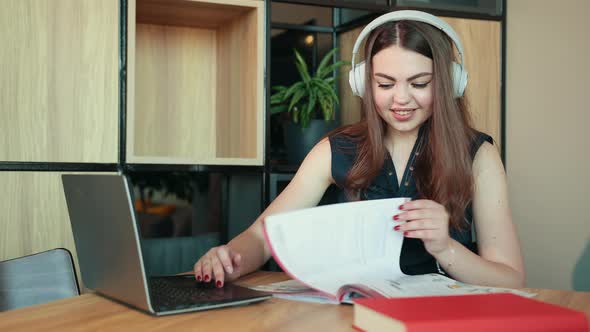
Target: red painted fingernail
{"type": "Point", "coordinates": [199, 278]}
{"type": "Point", "coordinates": [406, 233]}
{"type": "Point", "coordinates": [206, 277]}
{"type": "Point", "coordinates": [218, 284]}
{"type": "Point", "coordinates": [396, 228]}
{"type": "Point", "coordinates": [401, 207]}
{"type": "Point", "coordinates": [396, 217]}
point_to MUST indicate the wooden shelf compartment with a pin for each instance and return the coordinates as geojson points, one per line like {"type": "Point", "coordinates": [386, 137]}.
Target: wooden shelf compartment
{"type": "Point", "coordinates": [195, 82]}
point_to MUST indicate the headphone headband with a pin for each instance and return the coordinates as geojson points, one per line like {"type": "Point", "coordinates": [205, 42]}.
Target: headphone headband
{"type": "Point", "coordinates": [411, 15]}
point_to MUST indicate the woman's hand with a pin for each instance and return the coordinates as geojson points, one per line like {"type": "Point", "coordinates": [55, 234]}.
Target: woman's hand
{"type": "Point", "coordinates": [426, 220]}
{"type": "Point", "coordinates": [219, 263]}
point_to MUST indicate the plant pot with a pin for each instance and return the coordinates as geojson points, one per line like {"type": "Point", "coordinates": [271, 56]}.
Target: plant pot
{"type": "Point", "coordinates": [299, 141]}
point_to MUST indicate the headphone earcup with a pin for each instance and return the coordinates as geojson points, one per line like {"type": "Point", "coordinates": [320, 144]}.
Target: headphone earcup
{"type": "Point", "coordinates": [459, 76]}
{"type": "Point", "coordinates": [356, 79]}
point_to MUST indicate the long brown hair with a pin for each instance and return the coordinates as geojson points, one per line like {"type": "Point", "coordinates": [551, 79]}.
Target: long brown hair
{"type": "Point", "coordinates": [442, 170]}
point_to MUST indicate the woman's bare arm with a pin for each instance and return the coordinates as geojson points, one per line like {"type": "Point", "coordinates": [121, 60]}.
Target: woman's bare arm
{"type": "Point", "coordinates": [500, 260]}
{"type": "Point", "coordinates": [305, 190]}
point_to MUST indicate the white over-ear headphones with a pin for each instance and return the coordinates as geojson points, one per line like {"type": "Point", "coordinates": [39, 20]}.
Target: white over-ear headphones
{"type": "Point", "coordinates": [356, 76]}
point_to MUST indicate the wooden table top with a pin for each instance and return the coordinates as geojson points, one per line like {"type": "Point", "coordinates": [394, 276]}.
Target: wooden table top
{"type": "Point", "coordinates": [94, 312]}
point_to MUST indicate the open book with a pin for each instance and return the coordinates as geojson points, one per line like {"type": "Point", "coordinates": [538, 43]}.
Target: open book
{"type": "Point", "coordinates": [350, 249]}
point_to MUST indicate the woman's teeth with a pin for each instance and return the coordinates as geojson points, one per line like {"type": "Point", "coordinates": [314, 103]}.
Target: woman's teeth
{"type": "Point", "coordinates": [404, 112]}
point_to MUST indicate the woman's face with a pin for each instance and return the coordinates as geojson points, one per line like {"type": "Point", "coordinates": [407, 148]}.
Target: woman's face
{"type": "Point", "coordinates": [402, 88]}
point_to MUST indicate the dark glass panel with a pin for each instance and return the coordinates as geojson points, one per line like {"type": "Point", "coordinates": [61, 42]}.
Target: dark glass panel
{"type": "Point", "coordinates": [490, 7]}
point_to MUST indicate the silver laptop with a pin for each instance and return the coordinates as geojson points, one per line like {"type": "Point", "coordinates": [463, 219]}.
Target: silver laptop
{"type": "Point", "coordinates": [110, 257]}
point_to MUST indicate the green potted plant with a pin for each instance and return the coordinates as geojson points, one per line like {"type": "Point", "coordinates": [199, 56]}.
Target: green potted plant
{"type": "Point", "coordinates": [310, 102]}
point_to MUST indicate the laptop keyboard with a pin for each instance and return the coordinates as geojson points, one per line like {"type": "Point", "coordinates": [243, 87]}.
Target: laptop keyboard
{"type": "Point", "coordinates": [184, 292]}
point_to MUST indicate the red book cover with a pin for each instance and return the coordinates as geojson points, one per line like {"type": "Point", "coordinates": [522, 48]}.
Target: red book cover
{"type": "Point", "coordinates": [458, 313]}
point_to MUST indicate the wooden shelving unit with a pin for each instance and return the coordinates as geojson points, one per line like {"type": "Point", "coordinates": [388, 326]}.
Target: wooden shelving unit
{"type": "Point", "coordinates": [194, 98]}
{"type": "Point", "coordinates": [195, 82]}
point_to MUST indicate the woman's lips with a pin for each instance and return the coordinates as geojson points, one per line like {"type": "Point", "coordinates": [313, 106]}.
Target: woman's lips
{"type": "Point", "coordinates": [403, 114]}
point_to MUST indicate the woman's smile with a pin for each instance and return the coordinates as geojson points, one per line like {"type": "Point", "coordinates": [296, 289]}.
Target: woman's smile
{"type": "Point", "coordinates": [403, 114]}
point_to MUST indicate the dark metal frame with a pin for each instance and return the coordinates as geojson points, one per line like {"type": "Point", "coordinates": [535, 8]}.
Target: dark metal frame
{"type": "Point", "coordinates": [307, 28]}
{"type": "Point", "coordinates": [19, 166]}
{"type": "Point", "coordinates": [191, 168]}
{"type": "Point", "coordinates": [267, 93]}
{"type": "Point", "coordinates": [503, 86]}
{"type": "Point", "coordinates": [122, 83]}
{"type": "Point", "coordinates": [339, 4]}
{"type": "Point", "coordinates": [392, 5]}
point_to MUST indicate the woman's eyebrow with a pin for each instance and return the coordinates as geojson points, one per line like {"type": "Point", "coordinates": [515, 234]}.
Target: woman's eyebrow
{"type": "Point", "coordinates": [409, 78]}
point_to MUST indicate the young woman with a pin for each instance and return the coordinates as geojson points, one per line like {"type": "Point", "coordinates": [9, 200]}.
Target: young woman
{"type": "Point", "coordinates": [415, 140]}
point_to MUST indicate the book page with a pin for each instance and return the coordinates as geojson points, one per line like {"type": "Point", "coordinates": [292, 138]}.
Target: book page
{"type": "Point", "coordinates": [431, 285]}
{"type": "Point", "coordinates": [295, 291]}
{"type": "Point", "coordinates": [334, 282]}
{"type": "Point", "coordinates": [283, 287]}
{"type": "Point", "coordinates": [402, 286]}
{"type": "Point", "coordinates": [328, 246]}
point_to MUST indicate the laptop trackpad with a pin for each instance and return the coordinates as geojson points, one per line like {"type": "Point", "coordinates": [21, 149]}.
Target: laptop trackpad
{"type": "Point", "coordinates": [183, 291]}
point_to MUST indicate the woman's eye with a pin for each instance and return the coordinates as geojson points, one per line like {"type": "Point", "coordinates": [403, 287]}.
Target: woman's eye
{"type": "Point", "coordinates": [420, 85]}
{"type": "Point", "coordinates": [384, 85]}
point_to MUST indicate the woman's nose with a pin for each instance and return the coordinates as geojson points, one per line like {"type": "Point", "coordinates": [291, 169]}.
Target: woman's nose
{"type": "Point", "coordinates": [401, 94]}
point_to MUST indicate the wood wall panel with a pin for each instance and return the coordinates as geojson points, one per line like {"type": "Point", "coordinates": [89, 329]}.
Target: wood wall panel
{"type": "Point", "coordinates": [482, 45]}
{"type": "Point", "coordinates": [174, 113]}
{"type": "Point", "coordinates": [59, 80]}
{"type": "Point", "coordinates": [240, 88]}
{"type": "Point", "coordinates": [200, 14]}
{"type": "Point", "coordinates": [350, 105]}
{"type": "Point", "coordinates": [35, 216]}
